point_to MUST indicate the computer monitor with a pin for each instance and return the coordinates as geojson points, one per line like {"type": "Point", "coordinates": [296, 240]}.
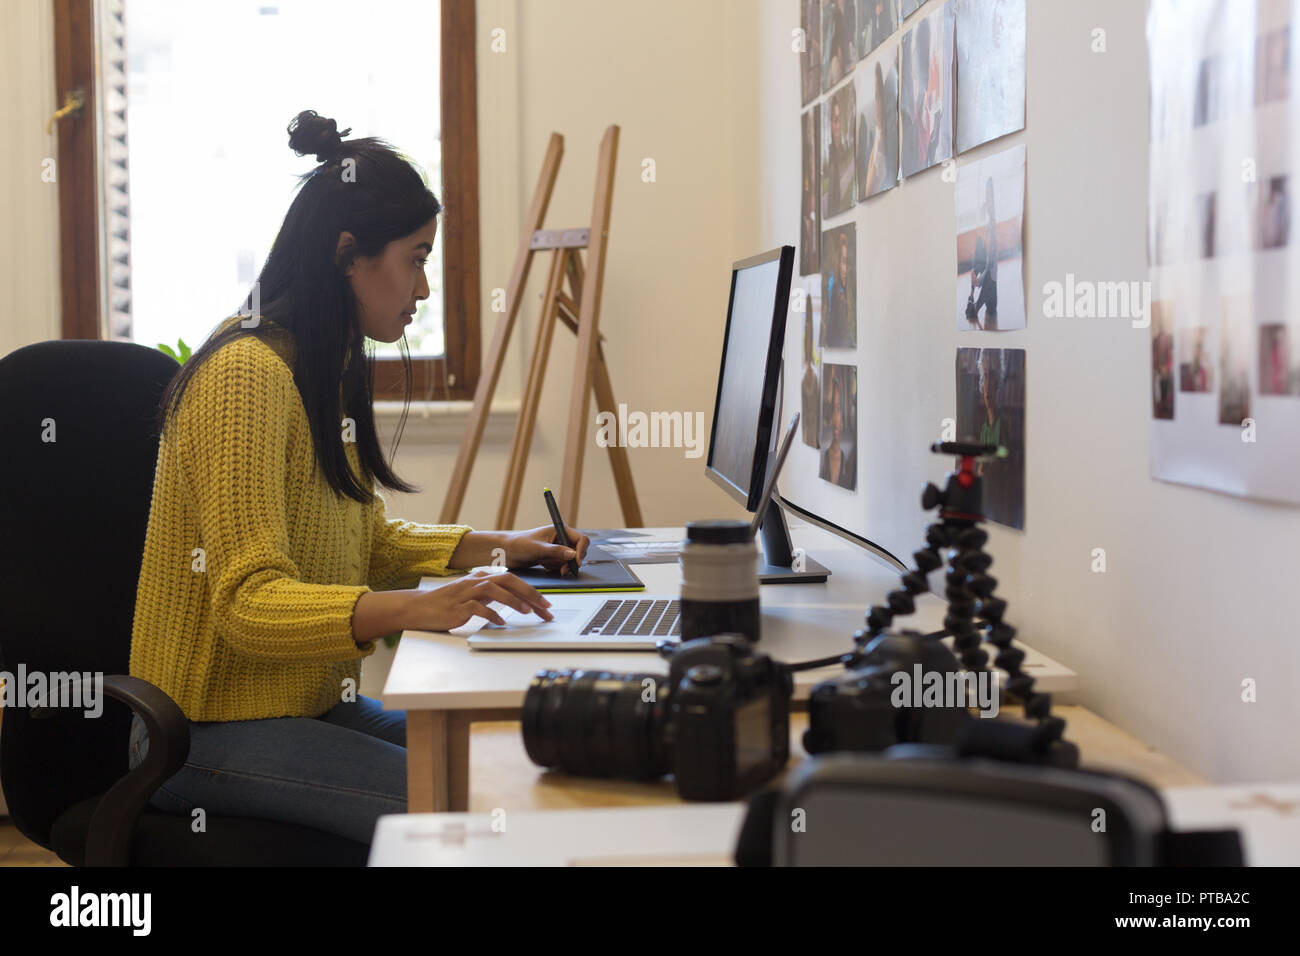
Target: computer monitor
{"type": "Point", "coordinates": [742, 442]}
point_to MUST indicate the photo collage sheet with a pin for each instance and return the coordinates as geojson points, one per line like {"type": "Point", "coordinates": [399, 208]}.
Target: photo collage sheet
{"type": "Point", "coordinates": [892, 89]}
{"type": "Point", "coordinates": [1224, 330]}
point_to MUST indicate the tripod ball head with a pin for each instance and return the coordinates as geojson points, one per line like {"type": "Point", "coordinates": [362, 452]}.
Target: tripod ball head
{"type": "Point", "coordinates": [963, 493]}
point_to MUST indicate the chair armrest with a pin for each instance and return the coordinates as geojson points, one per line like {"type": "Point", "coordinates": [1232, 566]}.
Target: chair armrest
{"type": "Point", "coordinates": [108, 841]}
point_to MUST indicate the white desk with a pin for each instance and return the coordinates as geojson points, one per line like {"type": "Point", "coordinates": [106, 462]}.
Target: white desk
{"type": "Point", "coordinates": [445, 687]}
{"type": "Point", "coordinates": [1268, 817]}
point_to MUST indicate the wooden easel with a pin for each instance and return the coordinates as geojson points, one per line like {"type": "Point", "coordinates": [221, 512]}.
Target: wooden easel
{"type": "Point", "coordinates": [580, 311]}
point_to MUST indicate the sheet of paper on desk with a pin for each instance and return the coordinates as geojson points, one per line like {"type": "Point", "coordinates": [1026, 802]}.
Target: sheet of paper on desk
{"type": "Point", "coordinates": [1267, 815]}
{"type": "Point", "coordinates": [632, 549]}
{"type": "Point", "coordinates": [694, 834]}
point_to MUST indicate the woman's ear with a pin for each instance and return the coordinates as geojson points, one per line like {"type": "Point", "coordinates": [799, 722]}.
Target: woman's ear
{"type": "Point", "coordinates": [345, 251]}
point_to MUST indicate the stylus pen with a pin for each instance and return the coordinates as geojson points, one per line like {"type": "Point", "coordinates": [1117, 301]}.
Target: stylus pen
{"type": "Point", "coordinates": [560, 535]}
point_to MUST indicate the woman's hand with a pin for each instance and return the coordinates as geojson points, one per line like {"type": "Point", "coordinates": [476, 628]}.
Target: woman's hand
{"type": "Point", "coordinates": [526, 548]}
{"type": "Point", "coordinates": [454, 603]}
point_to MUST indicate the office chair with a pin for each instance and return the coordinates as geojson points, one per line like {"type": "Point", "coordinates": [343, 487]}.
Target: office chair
{"type": "Point", "coordinates": [77, 425]}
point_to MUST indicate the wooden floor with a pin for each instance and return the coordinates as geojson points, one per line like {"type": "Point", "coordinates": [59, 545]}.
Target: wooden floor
{"type": "Point", "coordinates": [503, 776]}
{"type": "Point", "coordinates": [17, 850]}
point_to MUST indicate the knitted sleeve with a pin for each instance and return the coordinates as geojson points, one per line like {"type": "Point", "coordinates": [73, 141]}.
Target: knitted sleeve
{"type": "Point", "coordinates": [232, 428]}
{"type": "Point", "coordinates": [402, 551]}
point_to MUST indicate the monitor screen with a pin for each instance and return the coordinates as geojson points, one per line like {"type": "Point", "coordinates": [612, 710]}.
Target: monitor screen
{"type": "Point", "coordinates": [748, 379]}
{"type": "Point", "coordinates": [823, 479]}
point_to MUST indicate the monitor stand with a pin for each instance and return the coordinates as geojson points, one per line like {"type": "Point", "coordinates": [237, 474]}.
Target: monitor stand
{"type": "Point", "coordinates": [776, 563]}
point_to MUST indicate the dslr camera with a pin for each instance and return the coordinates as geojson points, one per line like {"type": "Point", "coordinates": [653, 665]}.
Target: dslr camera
{"type": "Point", "coordinates": [719, 722]}
{"type": "Point", "coordinates": [854, 711]}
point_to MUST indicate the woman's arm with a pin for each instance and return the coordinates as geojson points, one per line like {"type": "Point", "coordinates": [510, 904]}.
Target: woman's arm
{"type": "Point", "coordinates": [520, 549]}
{"type": "Point", "coordinates": [401, 552]}
{"type": "Point", "coordinates": [404, 551]}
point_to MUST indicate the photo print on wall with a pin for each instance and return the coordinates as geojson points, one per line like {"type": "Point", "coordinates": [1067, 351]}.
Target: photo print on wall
{"type": "Point", "coordinates": [810, 382]}
{"type": "Point", "coordinates": [990, 199]}
{"type": "Point", "coordinates": [1195, 365]}
{"type": "Point", "coordinates": [925, 97]}
{"type": "Point", "coordinates": [839, 464]}
{"type": "Point", "coordinates": [1222, 262]}
{"type": "Point", "coordinates": [877, 93]}
{"type": "Point", "coordinates": [1279, 365]}
{"type": "Point", "coordinates": [810, 60]}
{"type": "Point", "coordinates": [991, 410]}
{"type": "Point", "coordinates": [837, 175]}
{"type": "Point", "coordinates": [1234, 371]}
{"type": "Point", "coordinates": [839, 293]}
{"type": "Point", "coordinates": [1273, 65]}
{"type": "Point", "coordinates": [877, 21]}
{"type": "Point", "coordinates": [1162, 361]}
{"type": "Point", "coordinates": [990, 70]}
{"type": "Point", "coordinates": [810, 219]}
{"type": "Point", "coordinates": [839, 24]}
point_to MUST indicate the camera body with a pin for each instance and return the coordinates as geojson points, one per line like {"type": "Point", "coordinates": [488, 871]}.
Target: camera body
{"type": "Point", "coordinates": [855, 711]}
{"type": "Point", "coordinates": [730, 717]}
{"type": "Point", "coordinates": [720, 721]}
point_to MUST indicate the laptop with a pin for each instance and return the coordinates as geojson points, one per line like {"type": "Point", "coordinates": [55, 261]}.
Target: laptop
{"type": "Point", "coordinates": [583, 622]}
{"type": "Point", "coordinates": [630, 623]}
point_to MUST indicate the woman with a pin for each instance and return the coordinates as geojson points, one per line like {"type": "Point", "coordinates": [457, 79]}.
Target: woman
{"type": "Point", "coordinates": [270, 567]}
{"type": "Point", "coordinates": [984, 270]}
{"type": "Point", "coordinates": [875, 163]}
{"type": "Point", "coordinates": [925, 103]}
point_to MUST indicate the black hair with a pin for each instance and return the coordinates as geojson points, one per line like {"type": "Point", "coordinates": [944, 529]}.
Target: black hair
{"type": "Point", "coordinates": [369, 189]}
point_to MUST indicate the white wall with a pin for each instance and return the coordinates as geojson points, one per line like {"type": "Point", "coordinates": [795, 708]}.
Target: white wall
{"type": "Point", "coordinates": [1196, 595]}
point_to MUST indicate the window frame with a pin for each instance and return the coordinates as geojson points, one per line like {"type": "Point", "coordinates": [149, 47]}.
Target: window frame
{"type": "Point", "coordinates": [77, 171]}
{"type": "Point", "coordinates": [451, 376]}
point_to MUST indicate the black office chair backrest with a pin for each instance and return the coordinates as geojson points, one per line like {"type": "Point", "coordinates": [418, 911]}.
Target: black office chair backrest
{"type": "Point", "coordinates": [78, 430]}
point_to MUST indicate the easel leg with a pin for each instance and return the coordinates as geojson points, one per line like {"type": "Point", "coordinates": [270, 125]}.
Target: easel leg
{"type": "Point", "coordinates": [492, 367]}
{"type": "Point", "coordinates": [618, 459]}
{"type": "Point", "coordinates": [523, 440]}
{"type": "Point", "coordinates": [588, 325]}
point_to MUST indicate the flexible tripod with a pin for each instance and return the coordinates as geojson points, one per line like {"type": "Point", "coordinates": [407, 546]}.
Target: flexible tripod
{"type": "Point", "coordinates": [973, 610]}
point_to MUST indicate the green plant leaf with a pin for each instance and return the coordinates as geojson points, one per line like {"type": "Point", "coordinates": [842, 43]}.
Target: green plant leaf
{"type": "Point", "coordinates": [184, 350]}
{"type": "Point", "coordinates": [168, 350]}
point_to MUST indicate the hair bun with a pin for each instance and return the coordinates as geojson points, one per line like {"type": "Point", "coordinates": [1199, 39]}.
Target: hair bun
{"type": "Point", "coordinates": [309, 132]}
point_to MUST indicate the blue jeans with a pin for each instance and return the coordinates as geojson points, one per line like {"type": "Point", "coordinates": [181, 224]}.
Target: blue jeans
{"type": "Point", "coordinates": [338, 772]}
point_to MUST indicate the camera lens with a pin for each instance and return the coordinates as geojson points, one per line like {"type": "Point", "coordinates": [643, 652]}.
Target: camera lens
{"type": "Point", "coordinates": [597, 723]}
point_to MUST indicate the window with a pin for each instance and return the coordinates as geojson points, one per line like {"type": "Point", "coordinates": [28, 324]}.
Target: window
{"type": "Point", "coordinates": [194, 171]}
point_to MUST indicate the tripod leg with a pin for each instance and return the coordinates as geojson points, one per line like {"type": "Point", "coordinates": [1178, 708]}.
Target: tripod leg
{"type": "Point", "coordinates": [964, 561]}
{"type": "Point", "coordinates": [973, 561]}
{"type": "Point", "coordinates": [881, 616]}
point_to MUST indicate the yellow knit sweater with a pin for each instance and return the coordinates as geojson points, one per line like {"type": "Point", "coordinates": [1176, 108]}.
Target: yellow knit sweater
{"type": "Point", "coordinates": [252, 564]}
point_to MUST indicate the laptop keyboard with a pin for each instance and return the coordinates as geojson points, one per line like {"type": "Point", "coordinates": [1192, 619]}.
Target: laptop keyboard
{"type": "Point", "coordinates": [636, 618]}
